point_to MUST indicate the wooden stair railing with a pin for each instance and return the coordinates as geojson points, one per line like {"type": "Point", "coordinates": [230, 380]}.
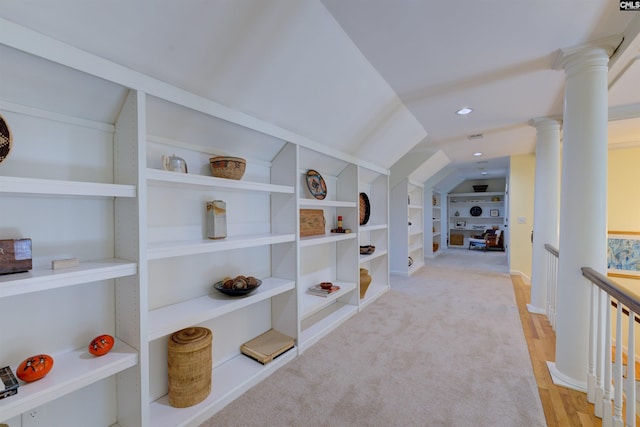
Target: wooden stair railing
{"type": "Point", "coordinates": [607, 399]}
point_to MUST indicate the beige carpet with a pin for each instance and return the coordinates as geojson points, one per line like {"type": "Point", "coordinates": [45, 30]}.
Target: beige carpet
{"type": "Point", "coordinates": [442, 348]}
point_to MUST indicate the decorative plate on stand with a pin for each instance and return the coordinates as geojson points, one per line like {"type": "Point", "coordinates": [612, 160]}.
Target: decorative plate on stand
{"type": "Point", "coordinates": [317, 186]}
{"type": "Point", "coordinates": [6, 139]}
{"type": "Point", "coordinates": [475, 211]}
{"type": "Point", "coordinates": [365, 209]}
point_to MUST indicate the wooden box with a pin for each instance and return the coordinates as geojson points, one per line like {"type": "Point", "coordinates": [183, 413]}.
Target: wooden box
{"type": "Point", "coordinates": [15, 255]}
{"type": "Point", "coordinates": [457, 239]}
{"type": "Point", "coordinates": [311, 222]}
{"type": "Point", "coordinates": [266, 347]}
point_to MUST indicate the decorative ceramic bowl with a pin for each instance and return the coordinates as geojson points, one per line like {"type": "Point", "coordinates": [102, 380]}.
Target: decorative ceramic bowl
{"type": "Point", "coordinates": [326, 285]}
{"type": "Point", "coordinates": [234, 292]}
{"type": "Point", "coordinates": [367, 250]}
{"type": "Point", "coordinates": [227, 167]}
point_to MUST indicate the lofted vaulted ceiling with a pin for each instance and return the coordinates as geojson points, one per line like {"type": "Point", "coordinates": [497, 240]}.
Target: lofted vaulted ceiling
{"type": "Point", "coordinates": [379, 79]}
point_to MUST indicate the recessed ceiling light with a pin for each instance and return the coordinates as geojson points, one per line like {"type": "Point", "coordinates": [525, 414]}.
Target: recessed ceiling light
{"type": "Point", "coordinates": [483, 173]}
{"type": "Point", "coordinates": [464, 111]}
{"type": "Point", "coordinates": [477, 154]}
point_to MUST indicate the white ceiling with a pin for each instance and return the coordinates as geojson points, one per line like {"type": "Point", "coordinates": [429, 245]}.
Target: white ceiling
{"type": "Point", "coordinates": [494, 56]}
{"type": "Point", "coordinates": [379, 79]}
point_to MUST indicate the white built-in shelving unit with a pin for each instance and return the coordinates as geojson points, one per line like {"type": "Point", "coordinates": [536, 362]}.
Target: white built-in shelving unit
{"type": "Point", "coordinates": [433, 215]}
{"type": "Point", "coordinates": [472, 213]}
{"type": "Point", "coordinates": [375, 185]}
{"type": "Point", "coordinates": [84, 180]}
{"type": "Point", "coordinates": [407, 227]}
{"type": "Point", "coordinates": [329, 257]}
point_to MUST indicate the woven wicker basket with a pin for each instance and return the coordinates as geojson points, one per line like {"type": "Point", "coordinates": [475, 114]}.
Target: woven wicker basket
{"type": "Point", "coordinates": [190, 364]}
{"type": "Point", "coordinates": [227, 167]}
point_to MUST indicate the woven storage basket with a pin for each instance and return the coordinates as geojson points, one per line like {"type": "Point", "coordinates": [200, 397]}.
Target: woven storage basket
{"type": "Point", "coordinates": [227, 167]}
{"type": "Point", "coordinates": [190, 364]}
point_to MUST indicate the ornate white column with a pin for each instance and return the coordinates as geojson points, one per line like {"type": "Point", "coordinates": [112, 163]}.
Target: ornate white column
{"type": "Point", "coordinates": [546, 206]}
{"type": "Point", "coordinates": [583, 206]}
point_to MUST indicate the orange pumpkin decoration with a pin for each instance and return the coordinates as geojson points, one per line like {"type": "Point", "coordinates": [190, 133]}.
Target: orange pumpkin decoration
{"type": "Point", "coordinates": [35, 367]}
{"type": "Point", "coordinates": [101, 345]}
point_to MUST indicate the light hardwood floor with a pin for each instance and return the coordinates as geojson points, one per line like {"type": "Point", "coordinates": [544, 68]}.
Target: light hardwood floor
{"type": "Point", "coordinates": [562, 407]}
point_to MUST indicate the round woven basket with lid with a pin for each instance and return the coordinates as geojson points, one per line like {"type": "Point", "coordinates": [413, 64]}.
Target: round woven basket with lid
{"type": "Point", "coordinates": [190, 364]}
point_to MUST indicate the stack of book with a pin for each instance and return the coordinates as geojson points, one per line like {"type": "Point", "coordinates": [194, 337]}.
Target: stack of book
{"type": "Point", "coordinates": [323, 292]}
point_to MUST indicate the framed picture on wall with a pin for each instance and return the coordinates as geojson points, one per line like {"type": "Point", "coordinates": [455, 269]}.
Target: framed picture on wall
{"type": "Point", "coordinates": [461, 224]}
{"type": "Point", "coordinates": [494, 212]}
{"type": "Point", "coordinates": [623, 254]}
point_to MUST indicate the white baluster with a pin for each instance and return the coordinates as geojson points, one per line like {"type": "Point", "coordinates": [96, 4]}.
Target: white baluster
{"type": "Point", "coordinates": [630, 389]}
{"type": "Point", "coordinates": [617, 372]}
{"type": "Point", "coordinates": [591, 374]}
{"type": "Point", "coordinates": [607, 415]}
{"type": "Point", "coordinates": [555, 290]}
{"type": "Point", "coordinates": [599, 368]}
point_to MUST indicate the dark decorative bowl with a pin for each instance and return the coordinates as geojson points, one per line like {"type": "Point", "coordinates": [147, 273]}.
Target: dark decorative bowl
{"type": "Point", "coordinates": [236, 292]}
{"type": "Point", "coordinates": [367, 250]}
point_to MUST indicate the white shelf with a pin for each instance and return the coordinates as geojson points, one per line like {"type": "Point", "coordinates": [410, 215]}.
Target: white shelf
{"type": "Point", "coordinates": [415, 232]}
{"type": "Point", "coordinates": [364, 228]}
{"type": "Point", "coordinates": [478, 217]}
{"type": "Point", "coordinates": [166, 320]}
{"type": "Point", "coordinates": [417, 207]}
{"type": "Point", "coordinates": [18, 185]}
{"type": "Point", "coordinates": [325, 203]}
{"type": "Point", "coordinates": [477, 202]}
{"type": "Point", "coordinates": [71, 371]}
{"type": "Point", "coordinates": [311, 304]}
{"type": "Point", "coordinates": [183, 180]}
{"type": "Point", "coordinates": [41, 279]}
{"type": "Point", "coordinates": [415, 247]}
{"type": "Point", "coordinates": [191, 247]}
{"type": "Point", "coordinates": [483, 194]}
{"type": "Point", "coordinates": [229, 381]}
{"type": "Point", "coordinates": [376, 254]}
{"type": "Point", "coordinates": [325, 238]}
{"type": "Point", "coordinates": [435, 234]}
{"type": "Point", "coordinates": [323, 322]}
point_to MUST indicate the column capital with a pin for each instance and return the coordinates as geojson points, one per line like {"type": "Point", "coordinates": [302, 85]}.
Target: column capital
{"type": "Point", "coordinates": [595, 53]}
{"type": "Point", "coordinates": [549, 121]}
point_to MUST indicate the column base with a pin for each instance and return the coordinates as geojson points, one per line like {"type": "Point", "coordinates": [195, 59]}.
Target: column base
{"type": "Point", "coordinates": [536, 310]}
{"type": "Point", "coordinates": [564, 381]}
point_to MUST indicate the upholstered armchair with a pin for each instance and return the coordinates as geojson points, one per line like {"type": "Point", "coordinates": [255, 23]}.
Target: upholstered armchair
{"type": "Point", "coordinates": [490, 239]}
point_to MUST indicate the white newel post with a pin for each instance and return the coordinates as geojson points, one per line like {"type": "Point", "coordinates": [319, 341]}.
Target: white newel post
{"type": "Point", "coordinates": [583, 206]}
{"type": "Point", "coordinates": [546, 207]}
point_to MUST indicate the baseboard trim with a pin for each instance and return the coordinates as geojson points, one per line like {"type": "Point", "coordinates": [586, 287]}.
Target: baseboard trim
{"type": "Point", "coordinates": [526, 279]}
{"type": "Point", "coordinates": [536, 310]}
{"type": "Point", "coordinates": [564, 381]}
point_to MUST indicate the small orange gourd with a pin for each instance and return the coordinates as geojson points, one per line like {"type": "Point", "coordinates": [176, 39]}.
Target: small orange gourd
{"type": "Point", "coordinates": [35, 367]}
{"type": "Point", "coordinates": [101, 345]}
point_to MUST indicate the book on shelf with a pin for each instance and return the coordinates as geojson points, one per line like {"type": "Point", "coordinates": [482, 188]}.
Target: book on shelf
{"type": "Point", "coordinates": [318, 290]}
{"type": "Point", "coordinates": [268, 346]}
